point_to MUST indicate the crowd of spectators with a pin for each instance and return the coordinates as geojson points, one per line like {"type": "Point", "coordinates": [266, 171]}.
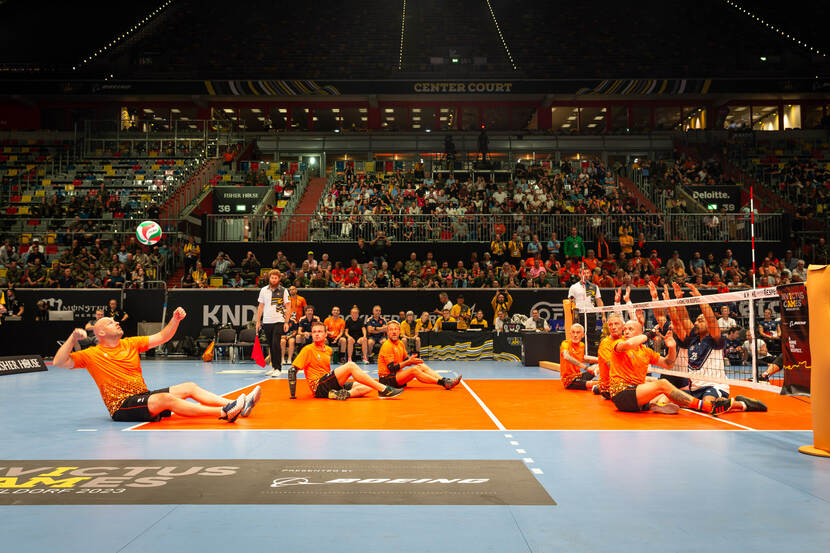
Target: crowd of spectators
{"type": "Point", "coordinates": [86, 262]}
{"type": "Point", "coordinates": [548, 262]}
{"type": "Point", "coordinates": [442, 207]}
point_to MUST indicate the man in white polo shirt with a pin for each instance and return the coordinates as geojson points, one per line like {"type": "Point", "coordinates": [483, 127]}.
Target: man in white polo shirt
{"type": "Point", "coordinates": [586, 294]}
{"type": "Point", "coordinates": [273, 313]}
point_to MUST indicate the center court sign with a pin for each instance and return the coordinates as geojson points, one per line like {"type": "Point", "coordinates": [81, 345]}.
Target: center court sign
{"type": "Point", "coordinates": [465, 87]}
{"type": "Point", "coordinates": [255, 482]}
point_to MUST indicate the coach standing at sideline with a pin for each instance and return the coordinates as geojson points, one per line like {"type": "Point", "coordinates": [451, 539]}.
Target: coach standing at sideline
{"type": "Point", "coordinates": [273, 312]}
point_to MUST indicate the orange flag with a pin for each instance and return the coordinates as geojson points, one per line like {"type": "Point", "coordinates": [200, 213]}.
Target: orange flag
{"type": "Point", "coordinates": [256, 355]}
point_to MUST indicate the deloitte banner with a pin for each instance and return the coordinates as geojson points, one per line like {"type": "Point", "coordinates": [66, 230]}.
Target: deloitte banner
{"type": "Point", "coordinates": [719, 196]}
{"type": "Point", "coordinates": [263, 481]}
{"type": "Point", "coordinates": [795, 337]}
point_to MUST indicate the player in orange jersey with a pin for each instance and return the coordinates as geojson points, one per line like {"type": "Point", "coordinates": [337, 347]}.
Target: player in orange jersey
{"type": "Point", "coordinates": [395, 368]}
{"type": "Point", "coordinates": [614, 324]}
{"type": "Point", "coordinates": [574, 372]}
{"type": "Point", "coordinates": [115, 366]}
{"type": "Point", "coordinates": [632, 391]}
{"type": "Point", "coordinates": [336, 330]}
{"type": "Point", "coordinates": [315, 360]}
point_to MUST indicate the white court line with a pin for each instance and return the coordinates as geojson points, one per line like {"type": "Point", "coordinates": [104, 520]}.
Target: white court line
{"type": "Point", "coordinates": [721, 420]}
{"type": "Point", "coordinates": [528, 460]}
{"type": "Point", "coordinates": [228, 393]}
{"type": "Point", "coordinates": [486, 409]}
{"type": "Point", "coordinates": [514, 442]}
{"type": "Point", "coordinates": [87, 430]}
{"type": "Point", "coordinates": [521, 451]}
{"type": "Point", "coordinates": [537, 471]}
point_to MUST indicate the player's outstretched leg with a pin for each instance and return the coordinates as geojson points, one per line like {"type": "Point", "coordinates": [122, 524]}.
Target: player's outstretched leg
{"type": "Point", "coordinates": [343, 372]}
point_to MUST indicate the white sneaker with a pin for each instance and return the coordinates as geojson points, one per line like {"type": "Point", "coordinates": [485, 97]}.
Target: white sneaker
{"type": "Point", "coordinates": [274, 372]}
{"type": "Point", "coordinates": [664, 408]}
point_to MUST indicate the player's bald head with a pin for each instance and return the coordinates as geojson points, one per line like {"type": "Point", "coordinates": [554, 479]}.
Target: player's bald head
{"type": "Point", "coordinates": [100, 324]}
{"type": "Point", "coordinates": [634, 327]}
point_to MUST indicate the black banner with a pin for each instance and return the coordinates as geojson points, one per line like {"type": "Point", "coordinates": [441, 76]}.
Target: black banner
{"type": "Point", "coordinates": [21, 364]}
{"type": "Point", "coordinates": [236, 200]}
{"type": "Point", "coordinates": [269, 482]}
{"type": "Point", "coordinates": [238, 307]}
{"type": "Point", "coordinates": [71, 85]}
{"type": "Point", "coordinates": [81, 301]}
{"type": "Point", "coordinates": [466, 346]}
{"type": "Point", "coordinates": [795, 337]}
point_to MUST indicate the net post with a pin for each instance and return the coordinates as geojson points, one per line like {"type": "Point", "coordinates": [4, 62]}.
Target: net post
{"type": "Point", "coordinates": [752, 227]}
{"type": "Point", "coordinates": [753, 343]}
{"type": "Point", "coordinates": [818, 297]}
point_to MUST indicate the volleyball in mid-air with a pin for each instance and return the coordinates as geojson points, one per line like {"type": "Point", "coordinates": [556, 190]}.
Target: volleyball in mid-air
{"type": "Point", "coordinates": [148, 233]}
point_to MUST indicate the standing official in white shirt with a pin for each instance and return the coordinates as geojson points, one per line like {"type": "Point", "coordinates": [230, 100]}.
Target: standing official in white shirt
{"type": "Point", "coordinates": [273, 313]}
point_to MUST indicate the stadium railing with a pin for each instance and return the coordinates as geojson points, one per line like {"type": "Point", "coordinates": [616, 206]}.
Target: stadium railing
{"type": "Point", "coordinates": [686, 227]}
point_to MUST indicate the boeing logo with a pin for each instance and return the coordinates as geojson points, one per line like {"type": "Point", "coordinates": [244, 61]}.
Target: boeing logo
{"type": "Point", "coordinates": [303, 481]}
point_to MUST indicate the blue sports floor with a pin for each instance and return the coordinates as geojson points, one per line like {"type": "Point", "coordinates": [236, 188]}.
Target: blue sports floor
{"type": "Point", "coordinates": [616, 490]}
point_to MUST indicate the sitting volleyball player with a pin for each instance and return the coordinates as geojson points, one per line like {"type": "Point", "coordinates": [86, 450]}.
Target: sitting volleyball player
{"type": "Point", "coordinates": [315, 360]}
{"type": "Point", "coordinates": [701, 347]}
{"type": "Point", "coordinates": [630, 388]}
{"type": "Point", "coordinates": [115, 366]}
{"type": "Point", "coordinates": [574, 372]}
{"type": "Point", "coordinates": [395, 368]}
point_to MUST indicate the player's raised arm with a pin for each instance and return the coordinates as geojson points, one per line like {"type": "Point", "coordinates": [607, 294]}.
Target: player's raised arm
{"type": "Point", "coordinates": [168, 331]}
{"type": "Point", "coordinates": [667, 362]}
{"type": "Point", "coordinates": [708, 314]}
{"type": "Point", "coordinates": [62, 358]}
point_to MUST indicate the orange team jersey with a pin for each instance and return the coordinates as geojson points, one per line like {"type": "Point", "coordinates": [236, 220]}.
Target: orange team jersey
{"type": "Point", "coordinates": [334, 326]}
{"type": "Point", "coordinates": [606, 347]}
{"type": "Point", "coordinates": [298, 304]}
{"type": "Point", "coordinates": [390, 353]}
{"type": "Point", "coordinates": [316, 363]}
{"type": "Point", "coordinates": [116, 371]}
{"type": "Point", "coordinates": [629, 368]}
{"type": "Point", "coordinates": [567, 370]}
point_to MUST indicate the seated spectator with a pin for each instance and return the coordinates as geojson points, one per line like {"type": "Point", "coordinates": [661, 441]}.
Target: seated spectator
{"type": "Point", "coordinates": [444, 318]}
{"type": "Point", "coordinates": [222, 264]}
{"type": "Point", "coordinates": [67, 280]}
{"type": "Point", "coordinates": [536, 322]}
{"type": "Point", "coordinates": [200, 278]}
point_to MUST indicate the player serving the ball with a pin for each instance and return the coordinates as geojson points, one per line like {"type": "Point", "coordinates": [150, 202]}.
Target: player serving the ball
{"type": "Point", "coordinates": [115, 366]}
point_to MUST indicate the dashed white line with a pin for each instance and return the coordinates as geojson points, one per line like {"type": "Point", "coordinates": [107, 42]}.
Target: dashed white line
{"type": "Point", "coordinates": [514, 442]}
{"type": "Point", "coordinates": [536, 471]}
{"type": "Point", "coordinates": [521, 451]}
{"type": "Point", "coordinates": [528, 460]}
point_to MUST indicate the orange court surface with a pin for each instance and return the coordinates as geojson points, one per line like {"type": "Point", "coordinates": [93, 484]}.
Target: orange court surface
{"type": "Point", "coordinates": [515, 405]}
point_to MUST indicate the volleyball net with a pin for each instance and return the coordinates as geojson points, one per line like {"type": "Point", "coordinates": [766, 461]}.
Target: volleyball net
{"type": "Point", "coordinates": [718, 335]}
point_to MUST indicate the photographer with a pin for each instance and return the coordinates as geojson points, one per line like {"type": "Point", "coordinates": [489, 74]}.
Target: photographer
{"type": "Point", "coordinates": [221, 265]}
{"type": "Point", "coordinates": [250, 267]}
